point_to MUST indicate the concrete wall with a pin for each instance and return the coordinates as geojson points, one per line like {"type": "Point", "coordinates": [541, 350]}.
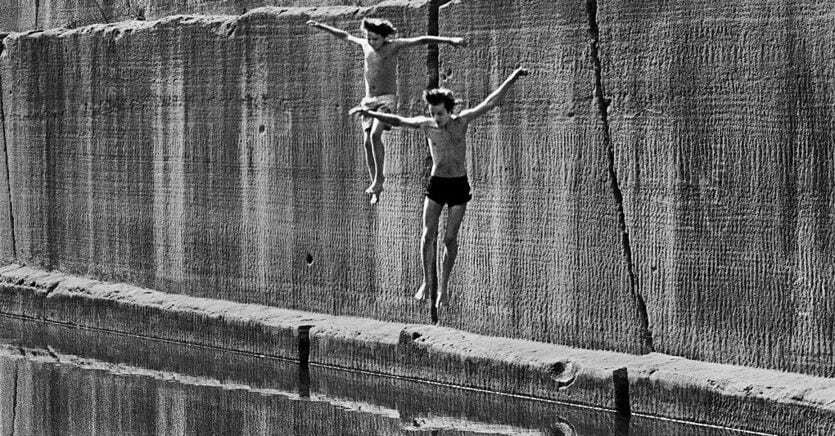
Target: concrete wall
{"type": "Point", "coordinates": [24, 15]}
{"type": "Point", "coordinates": [7, 240]}
{"type": "Point", "coordinates": [662, 181]}
{"type": "Point", "coordinates": [722, 119]}
{"type": "Point", "coordinates": [540, 245]}
{"type": "Point", "coordinates": [215, 157]}
{"type": "Point", "coordinates": [719, 120]}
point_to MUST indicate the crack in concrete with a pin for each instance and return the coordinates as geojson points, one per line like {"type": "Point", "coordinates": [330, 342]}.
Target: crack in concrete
{"type": "Point", "coordinates": [603, 106]}
{"type": "Point", "coordinates": [14, 397]}
{"type": "Point", "coordinates": [6, 157]}
{"type": "Point", "coordinates": [37, 12]}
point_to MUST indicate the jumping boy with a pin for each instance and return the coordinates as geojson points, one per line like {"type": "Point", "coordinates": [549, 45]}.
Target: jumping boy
{"type": "Point", "coordinates": [448, 182]}
{"type": "Point", "coordinates": [380, 51]}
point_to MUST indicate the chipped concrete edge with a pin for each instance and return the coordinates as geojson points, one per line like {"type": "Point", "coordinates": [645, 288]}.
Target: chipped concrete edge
{"type": "Point", "coordinates": [659, 385]}
{"type": "Point", "coordinates": [227, 21]}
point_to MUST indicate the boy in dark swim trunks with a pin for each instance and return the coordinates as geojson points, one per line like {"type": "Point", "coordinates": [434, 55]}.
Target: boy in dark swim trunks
{"type": "Point", "coordinates": [448, 181]}
{"type": "Point", "coordinates": [380, 50]}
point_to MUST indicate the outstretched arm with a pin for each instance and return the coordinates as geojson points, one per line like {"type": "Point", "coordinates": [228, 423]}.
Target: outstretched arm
{"type": "Point", "coordinates": [339, 33]}
{"type": "Point", "coordinates": [394, 120]}
{"type": "Point", "coordinates": [495, 98]}
{"type": "Point", "coordinates": [428, 39]}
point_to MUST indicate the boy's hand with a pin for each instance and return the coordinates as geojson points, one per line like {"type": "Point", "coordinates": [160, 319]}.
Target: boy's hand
{"type": "Point", "coordinates": [457, 42]}
{"type": "Point", "coordinates": [358, 110]}
{"type": "Point", "coordinates": [313, 23]}
{"type": "Point", "coordinates": [520, 72]}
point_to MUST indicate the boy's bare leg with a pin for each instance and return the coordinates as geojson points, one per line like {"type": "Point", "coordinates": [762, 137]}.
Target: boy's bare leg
{"type": "Point", "coordinates": [369, 156]}
{"type": "Point", "coordinates": [428, 247]}
{"type": "Point", "coordinates": [455, 214]}
{"type": "Point", "coordinates": [379, 157]}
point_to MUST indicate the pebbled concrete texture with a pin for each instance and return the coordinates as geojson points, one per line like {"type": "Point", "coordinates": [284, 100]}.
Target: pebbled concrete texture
{"type": "Point", "coordinates": [661, 385]}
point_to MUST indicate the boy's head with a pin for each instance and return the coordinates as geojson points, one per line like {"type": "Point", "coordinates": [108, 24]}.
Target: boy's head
{"type": "Point", "coordinates": [441, 102]}
{"type": "Point", "coordinates": [377, 30]}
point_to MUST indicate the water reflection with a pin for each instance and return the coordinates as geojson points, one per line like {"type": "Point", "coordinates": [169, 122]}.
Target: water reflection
{"type": "Point", "coordinates": [60, 380]}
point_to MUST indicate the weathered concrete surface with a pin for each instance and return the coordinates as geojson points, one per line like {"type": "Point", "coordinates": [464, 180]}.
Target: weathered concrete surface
{"type": "Point", "coordinates": [720, 124]}
{"type": "Point", "coordinates": [722, 119]}
{"type": "Point", "coordinates": [663, 385]}
{"type": "Point", "coordinates": [25, 15]}
{"type": "Point", "coordinates": [16, 15]}
{"type": "Point", "coordinates": [89, 391]}
{"type": "Point", "coordinates": [213, 156]}
{"type": "Point", "coordinates": [7, 246]}
{"type": "Point", "coordinates": [85, 302]}
{"type": "Point", "coordinates": [156, 9]}
{"type": "Point", "coordinates": [540, 247]}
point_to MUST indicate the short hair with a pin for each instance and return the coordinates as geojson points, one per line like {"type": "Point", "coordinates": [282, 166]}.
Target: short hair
{"type": "Point", "coordinates": [440, 96]}
{"type": "Point", "coordinates": [379, 26]}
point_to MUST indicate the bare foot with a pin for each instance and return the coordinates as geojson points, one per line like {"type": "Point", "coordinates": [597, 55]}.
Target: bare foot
{"type": "Point", "coordinates": [442, 300]}
{"type": "Point", "coordinates": [375, 198]}
{"type": "Point", "coordinates": [443, 296]}
{"type": "Point", "coordinates": [421, 293]}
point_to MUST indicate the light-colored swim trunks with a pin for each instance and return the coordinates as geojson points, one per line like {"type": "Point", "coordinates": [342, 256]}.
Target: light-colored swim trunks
{"type": "Point", "coordinates": [382, 103]}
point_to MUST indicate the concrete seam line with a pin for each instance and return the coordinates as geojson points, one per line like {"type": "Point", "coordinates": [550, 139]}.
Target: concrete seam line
{"type": "Point", "coordinates": [303, 368]}
{"type": "Point", "coordinates": [602, 107]}
{"type": "Point", "coordinates": [6, 157]}
{"type": "Point", "coordinates": [14, 394]}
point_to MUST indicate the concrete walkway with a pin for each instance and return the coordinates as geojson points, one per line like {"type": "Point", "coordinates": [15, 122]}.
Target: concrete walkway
{"type": "Point", "coordinates": [654, 384]}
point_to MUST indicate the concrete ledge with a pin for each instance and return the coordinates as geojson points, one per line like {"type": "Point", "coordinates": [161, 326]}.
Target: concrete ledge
{"type": "Point", "coordinates": [660, 385]}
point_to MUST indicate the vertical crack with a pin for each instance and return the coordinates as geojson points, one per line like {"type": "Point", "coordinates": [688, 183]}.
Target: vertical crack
{"type": "Point", "coordinates": [6, 156]}
{"type": "Point", "coordinates": [37, 12]}
{"type": "Point", "coordinates": [14, 401]}
{"type": "Point", "coordinates": [602, 107]}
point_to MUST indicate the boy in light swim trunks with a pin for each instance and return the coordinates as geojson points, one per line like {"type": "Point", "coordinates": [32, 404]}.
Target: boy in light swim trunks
{"type": "Point", "coordinates": [380, 51]}
{"type": "Point", "coordinates": [448, 182]}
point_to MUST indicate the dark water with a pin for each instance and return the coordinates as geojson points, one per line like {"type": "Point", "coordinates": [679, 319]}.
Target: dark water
{"type": "Point", "coordinates": [61, 380]}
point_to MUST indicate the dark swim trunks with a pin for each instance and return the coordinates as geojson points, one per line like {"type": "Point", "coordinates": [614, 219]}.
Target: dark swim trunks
{"type": "Point", "coordinates": [448, 190]}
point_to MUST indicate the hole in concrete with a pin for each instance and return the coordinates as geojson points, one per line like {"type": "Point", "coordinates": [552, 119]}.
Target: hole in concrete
{"type": "Point", "coordinates": [557, 369]}
{"type": "Point", "coordinates": [562, 428]}
{"type": "Point", "coordinates": [261, 128]}
{"type": "Point", "coordinates": [309, 259]}
{"type": "Point", "coordinates": [415, 336]}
